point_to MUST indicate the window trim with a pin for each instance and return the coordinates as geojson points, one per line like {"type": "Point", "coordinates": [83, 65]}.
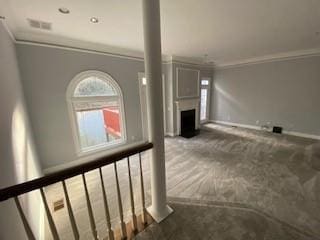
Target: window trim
{"type": "Point", "coordinates": [72, 114]}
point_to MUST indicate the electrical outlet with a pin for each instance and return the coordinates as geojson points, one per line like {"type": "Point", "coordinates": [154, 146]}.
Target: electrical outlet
{"type": "Point", "coordinates": [57, 205]}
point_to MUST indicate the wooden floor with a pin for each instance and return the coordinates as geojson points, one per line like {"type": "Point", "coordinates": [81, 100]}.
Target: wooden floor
{"type": "Point", "coordinates": [276, 174]}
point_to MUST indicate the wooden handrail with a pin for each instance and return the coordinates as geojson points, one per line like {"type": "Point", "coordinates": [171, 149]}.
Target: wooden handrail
{"type": "Point", "coordinates": [61, 175]}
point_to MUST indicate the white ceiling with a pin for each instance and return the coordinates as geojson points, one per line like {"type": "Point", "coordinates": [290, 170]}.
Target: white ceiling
{"type": "Point", "coordinates": [226, 30]}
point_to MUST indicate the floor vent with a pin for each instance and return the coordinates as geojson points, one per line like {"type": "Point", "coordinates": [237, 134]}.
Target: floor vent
{"type": "Point", "coordinates": [40, 24]}
{"type": "Point", "coordinates": [277, 129]}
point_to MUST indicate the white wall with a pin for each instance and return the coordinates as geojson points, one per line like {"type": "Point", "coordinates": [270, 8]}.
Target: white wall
{"type": "Point", "coordinates": [18, 158]}
{"type": "Point", "coordinates": [284, 93]}
{"type": "Point", "coordinates": [46, 73]}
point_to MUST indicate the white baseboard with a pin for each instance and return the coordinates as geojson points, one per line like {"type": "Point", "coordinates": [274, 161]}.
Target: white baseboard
{"type": "Point", "coordinates": [170, 134]}
{"type": "Point", "coordinates": [292, 133]}
{"type": "Point", "coordinates": [236, 124]}
{"type": "Point", "coordinates": [304, 135]}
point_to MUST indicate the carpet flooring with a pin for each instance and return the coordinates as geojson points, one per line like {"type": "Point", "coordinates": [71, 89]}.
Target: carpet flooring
{"type": "Point", "coordinates": [266, 176]}
{"type": "Point", "coordinates": [276, 174]}
{"type": "Point", "coordinates": [191, 221]}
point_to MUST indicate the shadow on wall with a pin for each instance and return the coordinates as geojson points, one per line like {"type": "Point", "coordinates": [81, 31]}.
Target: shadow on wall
{"type": "Point", "coordinates": [22, 167]}
{"type": "Point", "coordinates": [223, 98]}
{"type": "Point", "coordinates": [25, 161]}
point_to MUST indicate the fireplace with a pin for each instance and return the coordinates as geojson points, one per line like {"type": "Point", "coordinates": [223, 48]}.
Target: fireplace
{"type": "Point", "coordinates": [188, 121]}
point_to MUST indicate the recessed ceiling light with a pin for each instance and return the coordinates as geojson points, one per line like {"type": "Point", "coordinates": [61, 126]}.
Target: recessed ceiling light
{"type": "Point", "coordinates": [94, 20]}
{"type": "Point", "coordinates": [64, 10]}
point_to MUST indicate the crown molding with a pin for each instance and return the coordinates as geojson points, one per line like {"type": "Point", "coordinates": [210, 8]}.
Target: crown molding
{"type": "Point", "coordinates": [78, 49]}
{"type": "Point", "coordinates": [187, 61]}
{"type": "Point", "coordinates": [167, 59]}
{"type": "Point", "coordinates": [271, 58]}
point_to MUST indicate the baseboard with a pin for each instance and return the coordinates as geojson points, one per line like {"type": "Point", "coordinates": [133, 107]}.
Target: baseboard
{"type": "Point", "coordinates": [292, 133]}
{"type": "Point", "coordinates": [304, 135]}
{"type": "Point", "coordinates": [170, 134]}
{"type": "Point", "coordinates": [236, 124]}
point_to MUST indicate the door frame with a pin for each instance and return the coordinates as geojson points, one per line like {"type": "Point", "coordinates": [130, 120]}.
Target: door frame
{"type": "Point", "coordinates": [144, 104]}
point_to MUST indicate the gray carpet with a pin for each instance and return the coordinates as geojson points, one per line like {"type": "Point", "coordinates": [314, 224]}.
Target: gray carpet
{"type": "Point", "coordinates": [209, 222]}
{"type": "Point", "coordinates": [275, 175]}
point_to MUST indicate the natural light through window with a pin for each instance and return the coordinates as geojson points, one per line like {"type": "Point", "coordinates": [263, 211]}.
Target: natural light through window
{"type": "Point", "coordinates": [204, 100]}
{"type": "Point", "coordinates": [97, 111]}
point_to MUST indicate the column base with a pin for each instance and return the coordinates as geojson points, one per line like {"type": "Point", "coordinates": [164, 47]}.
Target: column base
{"type": "Point", "coordinates": [159, 216]}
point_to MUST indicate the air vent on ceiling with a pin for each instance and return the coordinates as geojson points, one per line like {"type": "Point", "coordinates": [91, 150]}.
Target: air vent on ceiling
{"type": "Point", "coordinates": [39, 24]}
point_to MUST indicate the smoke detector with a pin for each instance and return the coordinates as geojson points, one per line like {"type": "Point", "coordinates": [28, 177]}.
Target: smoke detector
{"type": "Point", "coordinates": [40, 24]}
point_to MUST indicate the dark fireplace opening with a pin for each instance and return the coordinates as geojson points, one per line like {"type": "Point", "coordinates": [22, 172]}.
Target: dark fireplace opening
{"type": "Point", "coordinates": [188, 121]}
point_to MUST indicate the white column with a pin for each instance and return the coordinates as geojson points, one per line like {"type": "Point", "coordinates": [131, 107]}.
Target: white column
{"type": "Point", "coordinates": [152, 52]}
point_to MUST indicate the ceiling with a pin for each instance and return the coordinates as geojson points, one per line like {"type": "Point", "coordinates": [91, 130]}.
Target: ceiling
{"type": "Point", "coordinates": [226, 30]}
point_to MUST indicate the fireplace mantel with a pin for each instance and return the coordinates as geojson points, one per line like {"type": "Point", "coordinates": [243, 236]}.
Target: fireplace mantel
{"type": "Point", "coordinates": [187, 104]}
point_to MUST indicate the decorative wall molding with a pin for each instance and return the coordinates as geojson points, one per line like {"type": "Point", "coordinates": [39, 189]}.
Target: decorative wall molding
{"type": "Point", "coordinates": [292, 133]}
{"type": "Point", "coordinates": [184, 105]}
{"type": "Point", "coordinates": [177, 82]}
{"type": "Point", "coordinates": [315, 52]}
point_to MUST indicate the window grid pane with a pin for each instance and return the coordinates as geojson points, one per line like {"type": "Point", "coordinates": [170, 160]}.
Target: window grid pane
{"type": "Point", "coordinates": [93, 86]}
{"type": "Point", "coordinates": [205, 82]}
{"type": "Point", "coordinates": [203, 109]}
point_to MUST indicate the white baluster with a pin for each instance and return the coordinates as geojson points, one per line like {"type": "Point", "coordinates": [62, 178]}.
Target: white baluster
{"type": "Point", "coordinates": [106, 207]}
{"type": "Point", "coordinates": [134, 217]}
{"type": "Point", "coordinates": [52, 226]}
{"type": "Point", "coordinates": [144, 211]}
{"type": "Point", "coordinates": [122, 224]}
{"type": "Point", "coordinates": [70, 212]}
{"type": "Point", "coordinates": [90, 212]}
{"type": "Point", "coordinates": [24, 220]}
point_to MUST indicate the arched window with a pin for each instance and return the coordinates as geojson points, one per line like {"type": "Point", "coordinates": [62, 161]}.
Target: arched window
{"type": "Point", "coordinates": [97, 113]}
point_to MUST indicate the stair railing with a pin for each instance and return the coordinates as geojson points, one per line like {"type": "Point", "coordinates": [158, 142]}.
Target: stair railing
{"type": "Point", "coordinates": [13, 192]}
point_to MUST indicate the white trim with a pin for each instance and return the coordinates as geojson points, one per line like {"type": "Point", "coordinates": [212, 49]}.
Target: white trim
{"type": "Point", "coordinates": [315, 52]}
{"type": "Point", "coordinates": [187, 61]}
{"type": "Point", "coordinates": [127, 54]}
{"type": "Point", "coordinates": [6, 27]}
{"type": "Point", "coordinates": [41, 221]}
{"type": "Point", "coordinates": [84, 50]}
{"type": "Point", "coordinates": [170, 134]}
{"type": "Point", "coordinates": [144, 123]}
{"type": "Point", "coordinates": [304, 135]}
{"type": "Point", "coordinates": [292, 133]}
{"type": "Point", "coordinates": [236, 124]}
{"type": "Point", "coordinates": [145, 126]}
{"type": "Point", "coordinates": [73, 120]}
{"type": "Point", "coordinates": [177, 83]}
{"type": "Point", "coordinates": [184, 105]}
